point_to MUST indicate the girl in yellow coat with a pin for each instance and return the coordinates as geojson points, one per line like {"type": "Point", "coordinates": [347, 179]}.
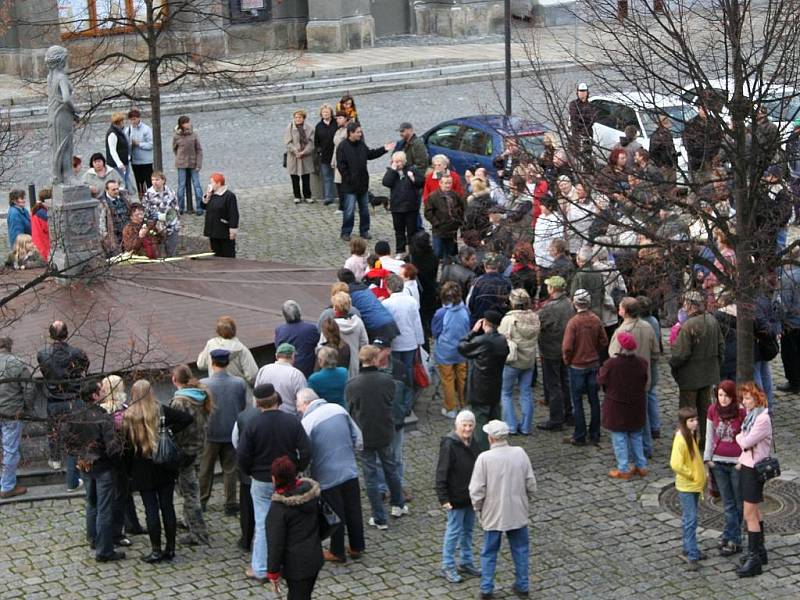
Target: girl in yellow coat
{"type": "Point", "coordinates": [690, 479]}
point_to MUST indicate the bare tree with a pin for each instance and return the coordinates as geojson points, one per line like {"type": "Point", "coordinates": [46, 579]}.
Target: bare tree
{"type": "Point", "coordinates": [736, 61]}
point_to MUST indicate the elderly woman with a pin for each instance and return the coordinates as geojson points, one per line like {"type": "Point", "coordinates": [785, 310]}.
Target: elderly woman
{"type": "Point", "coordinates": [324, 145]}
{"type": "Point", "coordinates": [404, 183]}
{"type": "Point", "coordinates": [520, 326]}
{"type": "Point", "coordinates": [624, 380]}
{"type": "Point", "coordinates": [242, 364]}
{"type": "Point", "coordinates": [222, 217]}
{"type": "Point", "coordinates": [330, 380]}
{"type": "Point", "coordinates": [300, 334]}
{"type": "Point", "coordinates": [441, 166]}
{"type": "Point", "coordinates": [457, 454]}
{"type": "Point", "coordinates": [299, 141]}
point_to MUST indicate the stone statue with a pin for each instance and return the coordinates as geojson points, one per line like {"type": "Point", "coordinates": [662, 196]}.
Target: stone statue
{"type": "Point", "coordinates": [61, 114]}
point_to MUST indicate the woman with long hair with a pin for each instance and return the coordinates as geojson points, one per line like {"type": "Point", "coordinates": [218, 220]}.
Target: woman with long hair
{"type": "Point", "coordinates": [332, 338]}
{"type": "Point", "coordinates": [723, 424]}
{"type": "Point", "coordinates": [24, 254]}
{"type": "Point", "coordinates": [40, 228]}
{"type": "Point", "coordinates": [193, 398]}
{"type": "Point", "coordinates": [754, 440]}
{"type": "Point", "coordinates": [690, 479]}
{"type": "Point", "coordinates": [295, 551]}
{"type": "Point", "coordinates": [155, 483]}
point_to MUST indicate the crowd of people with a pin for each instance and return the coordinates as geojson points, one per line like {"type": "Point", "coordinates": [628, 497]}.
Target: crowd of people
{"type": "Point", "coordinates": [544, 266]}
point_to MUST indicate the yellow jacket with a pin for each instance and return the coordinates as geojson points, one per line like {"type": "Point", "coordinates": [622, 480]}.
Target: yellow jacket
{"type": "Point", "coordinates": [690, 473]}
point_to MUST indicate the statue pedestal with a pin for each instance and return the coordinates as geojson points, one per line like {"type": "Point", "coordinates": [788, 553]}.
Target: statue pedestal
{"type": "Point", "coordinates": [74, 232]}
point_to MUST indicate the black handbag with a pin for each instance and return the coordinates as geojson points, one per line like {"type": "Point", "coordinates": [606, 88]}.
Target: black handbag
{"type": "Point", "coordinates": [767, 468]}
{"type": "Point", "coordinates": [284, 160]}
{"type": "Point", "coordinates": [329, 521]}
{"type": "Point", "coordinates": [167, 454]}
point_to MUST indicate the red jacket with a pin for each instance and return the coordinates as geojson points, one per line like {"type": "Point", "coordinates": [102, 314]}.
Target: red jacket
{"type": "Point", "coordinates": [539, 192]}
{"type": "Point", "coordinates": [378, 277]}
{"type": "Point", "coordinates": [40, 232]}
{"type": "Point", "coordinates": [431, 185]}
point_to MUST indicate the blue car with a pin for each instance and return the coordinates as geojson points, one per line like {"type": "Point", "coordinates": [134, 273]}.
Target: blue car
{"type": "Point", "coordinates": [478, 140]}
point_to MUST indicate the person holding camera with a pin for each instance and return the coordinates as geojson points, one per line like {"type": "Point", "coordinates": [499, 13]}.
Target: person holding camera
{"type": "Point", "coordinates": [405, 181]}
{"type": "Point", "coordinates": [141, 237]}
{"type": "Point", "coordinates": [161, 205]}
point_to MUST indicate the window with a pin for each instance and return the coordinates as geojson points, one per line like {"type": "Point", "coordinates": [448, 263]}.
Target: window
{"type": "Point", "coordinates": [249, 11]}
{"type": "Point", "coordinates": [625, 116]}
{"type": "Point", "coordinates": [603, 116]}
{"type": "Point", "coordinates": [101, 17]}
{"type": "Point", "coordinates": [446, 136]}
{"type": "Point", "coordinates": [475, 141]}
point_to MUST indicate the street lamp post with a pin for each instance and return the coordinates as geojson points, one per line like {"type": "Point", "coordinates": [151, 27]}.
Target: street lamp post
{"type": "Point", "coordinates": [508, 56]}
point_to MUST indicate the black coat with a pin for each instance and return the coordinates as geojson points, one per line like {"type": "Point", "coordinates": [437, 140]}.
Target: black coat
{"type": "Point", "coordinates": [454, 470]}
{"type": "Point", "coordinates": [145, 474]}
{"type": "Point", "coordinates": [222, 215]}
{"type": "Point", "coordinates": [89, 435]}
{"type": "Point", "coordinates": [487, 352]}
{"type": "Point", "coordinates": [295, 550]}
{"type": "Point", "coordinates": [727, 325]}
{"type": "Point", "coordinates": [404, 195]}
{"type": "Point", "coordinates": [702, 140]}
{"type": "Point", "coordinates": [370, 396]}
{"type": "Point", "coordinates": [351, 161]}
{"type": "Point", "coordinates": [323, 140]}
{"type": "Point", "coordinates": [267, 436]}
{"type": "Point", "coordinates": [445, 212]}
{"type": "Point", "coordinates": [476, 217]}
{"type": "Point", "coordinates": [458, 273]}
{"type": "Point", "coordinates": [62, 368]}
{"type": "Point", "coordinates": [427, 267]}
{"type": "Point", "coordinates": [662, 148]}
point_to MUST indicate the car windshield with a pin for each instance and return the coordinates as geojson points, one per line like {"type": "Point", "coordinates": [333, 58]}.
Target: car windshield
{"type": "Point", "coordinates": [678, 116]}
{"type": "Point", "coordinates": [783, 109]}
{"type": "Point", "coordinates": [532, 144]}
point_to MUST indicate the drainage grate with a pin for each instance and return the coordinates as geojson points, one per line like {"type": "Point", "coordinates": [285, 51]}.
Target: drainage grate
{"type": "Point", "coordinates": [781, 507]}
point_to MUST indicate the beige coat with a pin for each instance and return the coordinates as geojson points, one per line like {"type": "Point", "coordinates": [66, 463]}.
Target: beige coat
{"type": "Point", "coordinates": [501, 485]}
{"type": "Point", "coordinates": [521, 330]}
{"type": "Point", "coordinates": [305, 163]}
{"type": "Point", "coordinates": [187, 149]}
{"type": "Point", "coordinates": [242, 364]}
{"type": "Point", "coordinates": [340, 134]}
{"type": "Point", "coordinates": [646, 342]}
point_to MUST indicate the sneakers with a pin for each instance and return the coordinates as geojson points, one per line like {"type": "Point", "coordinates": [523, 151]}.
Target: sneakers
{"type": "Point", "coordinates": [309, 201]}
{"type": "Point", "coordinates": [398, 512]}
{"type": "Point", "coordinates": [469, 570]}
{"type": "Point", "coordinates": [54, 464]}
{"type": "Point", "coordinates": [338, 211]}
{"type": "Point", "coordinates": [450, 414]}
{"type": "Point", "coordinates": [77, 488]}
{"type": "Point", "coordinates": [452, 576]}
{"type": "Point", "coordinates": [297, 201]}
{"type": "Point", "coordinates": [17, 491]}
{"type": "Point", "coordinates": [381, 526]}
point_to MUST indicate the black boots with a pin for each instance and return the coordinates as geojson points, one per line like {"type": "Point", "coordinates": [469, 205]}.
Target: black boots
{"type": "Point", "coordinates": [752, 560]}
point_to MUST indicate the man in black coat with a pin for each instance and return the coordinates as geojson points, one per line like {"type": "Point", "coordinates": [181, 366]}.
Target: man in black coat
{"type": "Point", "coordinates": [702, 140]}
{"type": "Point", "coordinates": [445, 211]}
{"type": "Point", "coordinates": [370, 398]}
{"type": "Point", "coordinates": [89, 434]}
{"type": "Point", "coordinates": [487, 351]}
{"type": "Point", "coordinates": [351, 161]}
{"type": "Point", "coordinates": [62, 367]}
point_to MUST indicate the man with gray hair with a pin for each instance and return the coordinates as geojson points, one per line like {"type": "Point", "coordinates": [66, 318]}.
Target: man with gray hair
{"type": "Point", "coordinates": [500, 488]}
{"type": "Point", "coordinates": [303, 335]}
{"type": "Point", "coordinates": [697, 357]}
{"type": "Point", "coordinates": [335, 439]}
{"type": "Point", "coordinates": [461, 272]}
{"type": "Point", "coordinates": [16, 392]}
{"type": "Point", "coordinates": [587, 278]}
{"type": "Point", "coordinates": [284, 376]}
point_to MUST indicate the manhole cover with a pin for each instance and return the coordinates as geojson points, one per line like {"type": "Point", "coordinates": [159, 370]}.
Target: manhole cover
{"type": "Point", "coordinates": [781, 507]}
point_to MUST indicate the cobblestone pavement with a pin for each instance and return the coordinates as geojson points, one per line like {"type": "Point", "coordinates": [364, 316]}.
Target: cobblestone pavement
{"type": "Point", "coordinates": [591, 538]}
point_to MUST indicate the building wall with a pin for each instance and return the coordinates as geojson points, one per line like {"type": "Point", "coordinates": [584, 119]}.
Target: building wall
{"type": "Point", "coordinates": [459, 18]}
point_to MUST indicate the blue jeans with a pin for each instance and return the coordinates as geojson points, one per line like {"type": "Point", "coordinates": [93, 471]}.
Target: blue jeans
{"type": "Point", "coordinates": [444, 247]}
{"type": "Point", "coordinates": [653, 414]}
{"type": "Point", "coordinates": [57, 412]}
{"type": "Point", "coordinates": [198, 189]}
{"type": "Point", "coordinates": [627, 446]}
{"type": "Point", "coordinates": [261, 493]}
{"type": "Point", "coordinates": [689, 502]}
{"type": "Point", "coordinates": [369, 462]}
{"type": "Point", "coordinates": [730, 490]}
{"type": "Point", "coordinates": [328, 187]}
{"type": "Point", "coordinates": [763, 379]}
{"type": "Point", "coordinates": [518, 541]}
{"type": "Point", "coordinates": [397, 453]}
{"type": "Point", "coordinates": [584, 381]}
{"type": "Point", "coordinates": [349, 213]}
{"type": "Point", "coordinates": [10, 432]}
{"type": "Point", "coordinates": [99, 501]}
{"type": "Point", "coordinates": [512, 375]}
{"type": "Point", "coordinates": [458, 535]}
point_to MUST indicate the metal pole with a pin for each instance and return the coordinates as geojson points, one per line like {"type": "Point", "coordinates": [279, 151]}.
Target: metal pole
{"type": "Point", "coordinates": [508, 56]}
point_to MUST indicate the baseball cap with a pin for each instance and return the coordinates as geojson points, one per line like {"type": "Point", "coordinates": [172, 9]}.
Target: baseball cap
{"type": "Point", "coordinates": [556, 281]}
{"type": "Point", "coordinates": [285, 349]}
{"type": "Point", "coordinates": [582, 87]}
{"type": "Point", "coordinates": [220, 356]}
{"type": "Point", "coordinates": [405, 125]}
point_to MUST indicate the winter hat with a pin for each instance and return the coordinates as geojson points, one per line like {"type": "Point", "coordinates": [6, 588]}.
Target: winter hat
{"type": "Point", "coordinates": [582, 297]}
{"type": "Point", "coordinates": [627, 341]}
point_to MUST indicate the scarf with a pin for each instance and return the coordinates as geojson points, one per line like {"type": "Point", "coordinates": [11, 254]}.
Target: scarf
{"type": "Point", "coordinates": [301, 133]}
{"type": "Point", "coordinates": [726, 413]}
{"type": "Point", "coordinates": [751, 417]}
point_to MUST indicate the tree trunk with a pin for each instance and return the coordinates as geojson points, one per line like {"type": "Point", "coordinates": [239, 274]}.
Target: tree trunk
{"type": "Point", "coordinates": [155, 89]}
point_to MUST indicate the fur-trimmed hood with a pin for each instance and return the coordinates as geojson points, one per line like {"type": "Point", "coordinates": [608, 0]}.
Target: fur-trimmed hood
{"type": "Point", "coordinates": [306, 492]}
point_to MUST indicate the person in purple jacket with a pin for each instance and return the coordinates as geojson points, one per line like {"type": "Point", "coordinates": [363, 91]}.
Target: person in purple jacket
{"type": "Point", "coordinates": [724, 422]}
{"type": "Point", "coordinates": [303, 335]}
{"type": "Point", "coordinates": [754, 440]}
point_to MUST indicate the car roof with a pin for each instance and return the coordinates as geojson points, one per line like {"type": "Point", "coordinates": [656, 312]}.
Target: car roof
{"type": "Point", "coordinates": [505, 126]}
{"type": "Point", "coordinates": [638, 99]}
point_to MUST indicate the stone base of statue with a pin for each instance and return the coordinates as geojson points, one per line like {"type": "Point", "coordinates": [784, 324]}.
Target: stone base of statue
{"type": "Point", "coordinates": [75, 233]}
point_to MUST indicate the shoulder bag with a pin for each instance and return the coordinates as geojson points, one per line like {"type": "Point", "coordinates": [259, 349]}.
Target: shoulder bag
{"type": "Point", "coordinates": [167, 454]}
{"type": "Point", "coordinates": [329, 521]}
{"type": "Point", "coordinates": [767, 468]}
